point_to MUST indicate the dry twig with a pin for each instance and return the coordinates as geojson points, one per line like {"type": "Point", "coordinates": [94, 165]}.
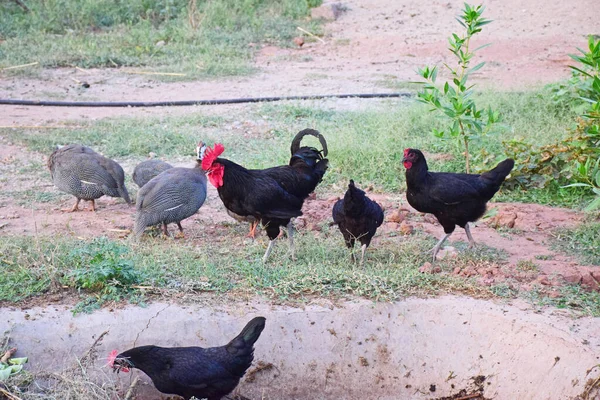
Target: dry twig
{"type": "Point", "coordinates": [155, 73]}
{"type": "Point", "coordinates": [8, 355]}
{"type": "Point", "coordinates": [311, 34]}
{"type": "Point", "coordinates": [20, 66]}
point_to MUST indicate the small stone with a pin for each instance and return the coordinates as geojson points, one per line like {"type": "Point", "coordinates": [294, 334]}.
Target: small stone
{"type": "Point", "coordinates": [572, 277]}
{"type": "Point", "coordinates": [505, 220]}
{"type": "Point", "coordinates": [299, 41]}
{"type": "Point", "coordinates": [589, 282]}
{"type": "Point", "coordinates": [426, 268]}
{"type": "Point", "coordinates": [397, 216]}
{"type": "Point", "coordinates": [543, 280]}
{"type": "Point", "coordinates": [160, 43]}
{"type": "Point", "coordinates": [406, 228]}
{"type": "Point", "coordinates": [553, 294]}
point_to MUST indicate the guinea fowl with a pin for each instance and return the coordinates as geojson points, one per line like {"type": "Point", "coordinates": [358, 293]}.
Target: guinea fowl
{"type": "Point", "coordinates": [358, 218]}
{"type": "Point", "coordinates": [87, 175]}
{"type": "Point", "coordinates": [306, 162]}
{"type": "Point", "coordinates": [172, 196]}
{"type": "Point", "coordinates": [147, 170]}
{"type": "Point", "coordinates": [454, 199]}
{"type": "Point", "coordinates": [205, 373]}
{"type": "Point", "coordinates": [272, 196]}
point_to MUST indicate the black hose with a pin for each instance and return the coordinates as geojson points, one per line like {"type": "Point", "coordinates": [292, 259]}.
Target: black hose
{"type": "Point", "coordinates": [193, 102]}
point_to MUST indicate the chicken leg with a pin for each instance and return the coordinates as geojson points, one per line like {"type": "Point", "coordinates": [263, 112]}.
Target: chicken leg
{"type": "Point", "coordinates": [180, 235]}
{"type": "Point", "coordinates": [253, 226]}
{"type": "Point", "coordinates": [74, 208]}
{"type": "Point", "coordinates": [468, 231]}
{"type": "Point", "coordinates": [290, 229]}
{"type": "Point", "coordinates": [269, 248]}
{"type": "Point", "coordinates": [363, 248]}
{"type": "Point", "coordinates": [439, 244]}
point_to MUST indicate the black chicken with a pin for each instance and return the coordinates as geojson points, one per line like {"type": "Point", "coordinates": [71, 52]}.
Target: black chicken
{"type": "Point", "coordinates": [306, 162]}
{"type": "Point", "coordinates": [195, 371]}
{"type": "Point", "coordinates": [454, 199]}
{"type": "Point", "coordinates": [358, 218]}
{"type": "Point", "coordinates": [272, 196]}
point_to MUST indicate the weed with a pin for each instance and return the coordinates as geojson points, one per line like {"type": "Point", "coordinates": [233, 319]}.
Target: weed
{"type": "Point", "coordinates": [210, 39]}
{"type": "Point", "coordinates": [455, 100]}
{"type": "Point", "coordinates": [572, 297]}
{"type": "Point", "coordinates": [583, 242]}
{"type": "Point", "coordinates": [527, 266]}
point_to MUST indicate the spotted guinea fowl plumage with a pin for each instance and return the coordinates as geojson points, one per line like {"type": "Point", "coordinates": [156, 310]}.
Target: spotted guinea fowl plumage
{"type": "Point", "coordinates": [146, 170]}
{"type": "Point", "coordinates": [170, 197]}
{"type": "Point", "coordinates": [87, 175]}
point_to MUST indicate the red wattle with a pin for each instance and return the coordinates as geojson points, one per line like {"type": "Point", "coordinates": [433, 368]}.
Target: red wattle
{"type": "Point", "coordinates": [407, 164]}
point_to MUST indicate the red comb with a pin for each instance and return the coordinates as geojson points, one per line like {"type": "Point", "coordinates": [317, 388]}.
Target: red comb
{"type": "Point", "coordinates": [111, 361]}
{"type": "Point", "coordinates": [211, 155]}
{"type": "Point", "coordinates": [111, 358]}
{"type": "Point", "coordinates": [406, 152]}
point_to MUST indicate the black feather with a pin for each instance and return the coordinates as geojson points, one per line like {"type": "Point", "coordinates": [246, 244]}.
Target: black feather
{"type": "Point", "coordinates": [357, 216]}
{"type": "Point", "coordinates": [195, 371]}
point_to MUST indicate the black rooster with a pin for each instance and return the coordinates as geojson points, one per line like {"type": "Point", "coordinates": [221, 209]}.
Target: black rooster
{"type": "Point", "coordinates": [454, 199]}
{"type": "Point", "coordinates": [358, 218]}
{"type": "Point", "coordinates": [297, 177]}
{"type": "Point", "coordinates": [195, 371]}
{"type": "Point", "coordinates": [272, 196]}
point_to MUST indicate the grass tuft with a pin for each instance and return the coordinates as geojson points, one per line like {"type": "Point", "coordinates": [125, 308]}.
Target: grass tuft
{"type": "Point", "coordinates": [582, 242]}
{"type": "Point", "coordinates": [210, 38]}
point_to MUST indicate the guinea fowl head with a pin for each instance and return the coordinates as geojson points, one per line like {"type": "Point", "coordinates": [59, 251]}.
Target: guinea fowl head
{"type": "Point", "coordinates": [200, 150]}
{"type": "Point", "coordinates": [412, 156]}
{"type": "Point", "coordinates": [214, 169]}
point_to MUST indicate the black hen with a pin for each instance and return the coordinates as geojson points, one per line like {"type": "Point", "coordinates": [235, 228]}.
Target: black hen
{"type": "Point", "coordinates": [195, 371]}
{"type": "Point", "coordinates": [454, 199]}
{"type": "Point", "coordinates": [358, 218]}
{"type": "Point", "coordinates": [272, 196]}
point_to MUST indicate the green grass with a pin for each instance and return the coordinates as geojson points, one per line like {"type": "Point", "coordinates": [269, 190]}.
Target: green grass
{"type": "Point", "coordinates": [104, 270]}
{"type": "Point", "coordinates": [583, 242]}
{"type": "Point", "coordinates": [103, 267]}
{"type": "Point", "coordinates": [366, 146]}
{"type": "Point", "coordinates": [203, 38]}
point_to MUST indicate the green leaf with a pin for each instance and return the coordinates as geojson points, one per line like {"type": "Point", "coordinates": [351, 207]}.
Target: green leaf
{"type": "Point", "coordinates": [15, 369]}
{"type": "Point", "coordinates": [577, 185]}
{"type": "Point", "coordinates": [18, 361]}
{"type": "Point", "coordinates": [482, 47]}
{"type": "Point", "coordinates": [5, 373]}
{"type": "Point", "coordinates": [477, 67]}
{"type": "Point", "coordinates": [594, 205]}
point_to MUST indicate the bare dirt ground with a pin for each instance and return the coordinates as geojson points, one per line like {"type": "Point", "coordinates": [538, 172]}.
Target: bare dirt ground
{"type": "Point", "coordinates": [384, 351]}
{"type": "Point", "coordinates": [374, 45]}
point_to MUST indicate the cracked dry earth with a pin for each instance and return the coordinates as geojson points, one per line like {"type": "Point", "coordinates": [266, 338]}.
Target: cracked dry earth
{"type": "Point", "coordinates": [411, 349]}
